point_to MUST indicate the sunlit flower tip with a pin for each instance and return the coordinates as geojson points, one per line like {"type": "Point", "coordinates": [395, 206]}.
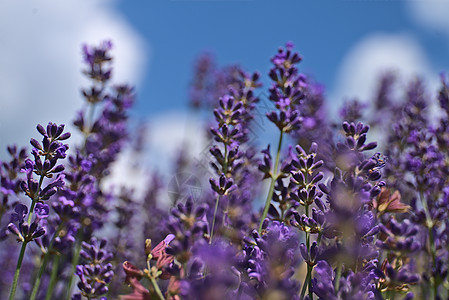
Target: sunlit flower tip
{"type": "Point", "coordinates": [224, 185]}
{"type": "Point", "coordinates": [13, 228]}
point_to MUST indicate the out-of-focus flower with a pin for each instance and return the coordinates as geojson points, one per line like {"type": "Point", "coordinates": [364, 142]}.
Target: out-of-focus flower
{"type": "Point", "coordinates": [385, 202]}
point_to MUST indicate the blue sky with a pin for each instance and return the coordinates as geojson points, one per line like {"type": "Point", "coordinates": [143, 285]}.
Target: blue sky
{"type": "Point", "coordinates": [249, 32]}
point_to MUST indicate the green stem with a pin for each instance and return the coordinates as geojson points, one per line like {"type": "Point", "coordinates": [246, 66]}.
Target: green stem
{"type": "Point", "coordinates": [337, 277]}
{"type": "Point", "coordinates": [225, 171]}
{"type": "Point", "coordinates": [309, 270]}
{"type": "Point", "coordinates": [273, 181]}
{"type": "Point", "coordinates": [16, 274]}
{"type": "Point", "coordinates": [44, 263]}
{"type": "Point", "coordinates": [309, 267]}
{"type": "Point", "coordinates": [225, 163]}
{"type": "Point", "coordinates": [54, 273]}
{"type": "Point", "coordinates": [75, 260]}
{"type": "Point", "coordinates": [304, 286]}
{"type": "Point", "coordinates": [156, 288]}
{"type": "Point", "coordinates": [213, 220]}
{"type": "Point", "coordinates": [36, 198]}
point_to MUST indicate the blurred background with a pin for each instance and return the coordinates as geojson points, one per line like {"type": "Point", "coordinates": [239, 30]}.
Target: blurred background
{"type": "Point", "coordinates": [346, 46]}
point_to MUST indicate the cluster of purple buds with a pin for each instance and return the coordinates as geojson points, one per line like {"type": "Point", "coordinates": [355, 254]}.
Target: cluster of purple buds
{"type": "Point", "coordinates": [398, 278]}
{"type": "Point", "coordinates": [76, 202]}
{"type": "Point", "coordinates": [229, 132]}
{"type": "Point", "coordinates": [361, 285]}
{"type": "Point", "coordinates": [98, 60]}
{"type": "Point", "coordinates": [52, 150]}
{"type": "Point", "coordinates": [399, 237]}
{"type": "Point", "coordinates": [96, 272]}
{"type": "Point", "coordinates": [355, 138]}
{"type": "Point", "coordinates": [313, 224]}
{"type": "Point", "coordinates": [269, 263]}
{"type": "Point", "coordinates": [188, 224]}
{"type": "Point", "coordinates": [305, 175]}
{"type": "Point", "coordinates": [287, 90]}
{"type": "Point", "coordinates": [66, 219]}
{"type": "Point", "coordinates": [224, 186]}
{"type": "Point", "coordinates": [212, 274]}
{"type": "Point", "coordinates": [233, 117]}
{"type": "Point", "coordinates": [24, 231]}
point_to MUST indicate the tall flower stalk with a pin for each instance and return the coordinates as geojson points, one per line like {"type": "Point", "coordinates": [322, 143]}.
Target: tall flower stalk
{"type": "Point", "coordinates": [233, 117]}
{"type": "Point", "coordinates": [46, 156]}
{"type": "Point", "coordinates": [287, 93]}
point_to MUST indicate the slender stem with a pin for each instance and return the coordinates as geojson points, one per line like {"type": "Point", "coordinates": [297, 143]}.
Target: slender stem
{"type": "Point", "coordinates": [44, 263]}
{"type": "Point", "coordinates": [225, 171]}
{"type": "Point", "coordinates": [225, 163]}
{"type": "Point", "coordinates": [304, 285]}
{"type": "Point", "coordinates": [273, 181]}
{"type": "Point", "coordinates": [16, 274]}
{"type": "Point", "coordinates": [156, 288]}
{"type": "Point", "coordinates": [318, 240]}
{"type": "Point", "coordinates": [309, 270]}
{"type": "Point", "coordinates": [337, 277]}
{"type": "Point", "coordinates": [37, 282]}
{"type": "Point", "coordinates": [75, 260]}
{"type": "Point", "coordinates": [309, 267]}
{"type": "Point", "coordinates": [213, 220]}
{"type": "Point", "coordinates": [54, 273]}
{"type": "Point", "coordinates": [36, 198]}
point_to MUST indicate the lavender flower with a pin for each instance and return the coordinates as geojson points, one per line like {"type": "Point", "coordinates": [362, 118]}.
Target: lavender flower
{"type": "Point", "coordinates": [269, 264]}
{"type": "Point", "coordinates": [354, 286]}
{"type": "Point", "coordinates": [287, 90]}
{"type": "Point", "coordinates": [96, 272]}
{"type": "Point", "coordinates": [340, 221]}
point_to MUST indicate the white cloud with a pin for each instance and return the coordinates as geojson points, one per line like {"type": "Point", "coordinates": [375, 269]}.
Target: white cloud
{"type": "Point", "coordinates": [167, 135]}
{"type": "Point", "coordinates": [171, 133]}
{"type": "Point", "coordinates": [371, 57]}
{"type": "Point", "coordinates": [431, 13]}
{"type": "Point", "coordinates": [40, 59]}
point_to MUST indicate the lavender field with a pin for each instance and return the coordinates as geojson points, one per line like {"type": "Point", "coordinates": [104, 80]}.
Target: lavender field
{"type": "Point", "coordinates": [352, 206]}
